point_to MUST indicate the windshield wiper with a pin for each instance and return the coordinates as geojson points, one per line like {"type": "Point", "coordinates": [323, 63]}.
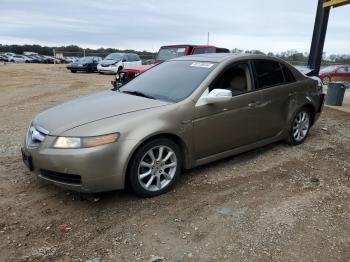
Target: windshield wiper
{"type": "Point", "coordinates": [138, 93]}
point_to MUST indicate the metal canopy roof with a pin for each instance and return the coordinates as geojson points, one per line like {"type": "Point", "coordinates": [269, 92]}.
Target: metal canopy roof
{"type": "Point", "coordinates": [335, 3]}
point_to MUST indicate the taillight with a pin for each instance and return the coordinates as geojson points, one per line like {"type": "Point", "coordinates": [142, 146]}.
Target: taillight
{"type": "Point", "coordinates": [319, 86]}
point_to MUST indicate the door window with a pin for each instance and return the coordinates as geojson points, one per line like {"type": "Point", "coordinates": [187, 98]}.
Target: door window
{"type": "Point", "coordinates": [288, 75]}
{"type": "Point", "coordinates": [237, 79]}
{"type": "Point", "coordinates": [342, 69]}
{"type": "Point", "coordinates": [269, 73]}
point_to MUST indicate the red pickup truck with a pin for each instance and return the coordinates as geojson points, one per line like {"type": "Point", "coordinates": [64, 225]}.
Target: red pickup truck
{"type": "Point", "coordinates": [164, 53]}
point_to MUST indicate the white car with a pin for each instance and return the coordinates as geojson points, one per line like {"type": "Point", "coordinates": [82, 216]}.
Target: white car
{"type": "Point", "coordinates": [115, 62]}
{"type": "Point", "coordinates": [17, 59]}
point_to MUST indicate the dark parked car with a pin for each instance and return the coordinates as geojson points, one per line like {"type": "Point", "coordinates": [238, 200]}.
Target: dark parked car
{"type": "Point", "coordinates": [180, 114]}
{"type": "Point", "coordinates": [85, 64]}
{"type": "Point", "coordinates": [335, 73]}
{"type": "Point", "coordinates": [33, 59]}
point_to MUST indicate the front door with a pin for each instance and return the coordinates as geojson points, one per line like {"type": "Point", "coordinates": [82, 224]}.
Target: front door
{"type": "Point", "coordinates": [342, 74]}
{"type": "Point", "coordinates": [224, 126]}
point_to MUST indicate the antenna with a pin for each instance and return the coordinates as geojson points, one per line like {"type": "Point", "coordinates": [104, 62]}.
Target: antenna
{"type": "Point", "coordinates": [208, 39]}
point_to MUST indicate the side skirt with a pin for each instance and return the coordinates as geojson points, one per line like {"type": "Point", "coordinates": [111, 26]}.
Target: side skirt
{"type": "Point", "coordinates": [237, 150]}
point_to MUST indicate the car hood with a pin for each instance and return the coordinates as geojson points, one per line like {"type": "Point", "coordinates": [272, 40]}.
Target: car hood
{"type": "Point", "coordinates": [92, 108]}
{"type": "Point", "coordinates": [108, 62]}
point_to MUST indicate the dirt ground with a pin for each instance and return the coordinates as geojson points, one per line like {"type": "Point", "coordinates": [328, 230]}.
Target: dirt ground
{"type": "Point", "coordinates": [277, 203]}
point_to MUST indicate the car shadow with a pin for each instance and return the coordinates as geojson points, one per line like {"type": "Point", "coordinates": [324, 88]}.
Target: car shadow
{"type": "Point", "coordinates": [243, 158]}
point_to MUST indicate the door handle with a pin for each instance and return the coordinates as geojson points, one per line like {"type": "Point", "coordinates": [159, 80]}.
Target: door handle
{"type": "Point", "coordinates": [254, 104]}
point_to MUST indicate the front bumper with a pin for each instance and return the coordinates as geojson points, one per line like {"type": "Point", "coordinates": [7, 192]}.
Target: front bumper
{"type": "Point", "coordinates": [107, 69]}
{"type": "Point", "coordinates": [90, 170]}
{"type": "Point", "coordinates": [78, 68]}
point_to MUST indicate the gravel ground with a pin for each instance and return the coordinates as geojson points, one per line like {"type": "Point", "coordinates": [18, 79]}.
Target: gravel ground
{"type": "Point", "coordinates": [276, 203]}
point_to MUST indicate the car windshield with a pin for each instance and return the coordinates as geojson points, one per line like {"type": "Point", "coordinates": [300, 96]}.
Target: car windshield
{"type": "Point", "coordinates": [167, 53]}
{"type": "Point", "coordinates": [85, 59]}
{"type": "Point", "coordinates": [329, 69]}
{"type": "Point", "coordinates": [114, 57]}
{"type": "Point", "coordinates": [170, 81]}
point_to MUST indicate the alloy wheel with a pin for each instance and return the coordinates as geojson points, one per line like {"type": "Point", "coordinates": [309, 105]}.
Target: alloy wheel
{"type": "Point", "coordinates": [301, 126]}
{"type": "Point", "coordinates": [157, 168]}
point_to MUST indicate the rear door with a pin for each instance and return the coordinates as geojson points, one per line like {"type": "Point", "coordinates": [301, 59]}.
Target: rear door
{"type": "Point", "coordinates": [276, 85]}
{"type": "Point", "coordinates": [342, 74]}
{"type": "Point", "coordinates": [137, 60]}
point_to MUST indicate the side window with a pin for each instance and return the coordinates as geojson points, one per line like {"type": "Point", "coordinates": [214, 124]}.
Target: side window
{"type": "Point", "coordinates": [125, 58]}
{"type": "Point", "coordinates": [288, 75]}
{"type": "Point", "coordinates": [342, 69]}
{"type": "Point", "coordinates": [136, 57]}
{"type": "Point", "coordinates": [237, 78]}
{"type": "Point", "coordinates": [269, 73]}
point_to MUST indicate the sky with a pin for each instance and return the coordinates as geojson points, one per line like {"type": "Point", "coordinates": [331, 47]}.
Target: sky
{"type": "Point", "coordinates": [273, 25]}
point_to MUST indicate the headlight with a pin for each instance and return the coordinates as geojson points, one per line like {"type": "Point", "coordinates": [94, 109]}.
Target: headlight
{"type": "Point", "coordinates": [83, 142]}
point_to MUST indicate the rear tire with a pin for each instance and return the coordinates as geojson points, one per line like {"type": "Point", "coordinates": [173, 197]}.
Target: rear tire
{"type": "Point", "coordinates": [73, 71]}
{"type": "Point", "coordinates": [154, 168]}
{"type": "Point", "coordinates": [299, 127]}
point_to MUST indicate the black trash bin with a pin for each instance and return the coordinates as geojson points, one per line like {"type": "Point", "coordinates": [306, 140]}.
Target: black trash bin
{"type": "Point", "coordinates": [335, 94]}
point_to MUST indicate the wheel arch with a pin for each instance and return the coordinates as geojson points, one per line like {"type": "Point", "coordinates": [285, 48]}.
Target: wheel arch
{"type": "Point", "coordinates": [312, 110]}
{"type": "Point", "coordinates": [175, 138]}
{"type": "Point", "coordinates": [310, 107]}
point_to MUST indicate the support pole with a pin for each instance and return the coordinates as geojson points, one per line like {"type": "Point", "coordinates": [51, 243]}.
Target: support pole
{"type": "Point", "coordinates": [54, 56]}
{"type": "Point", "coordinates": [319, 37]}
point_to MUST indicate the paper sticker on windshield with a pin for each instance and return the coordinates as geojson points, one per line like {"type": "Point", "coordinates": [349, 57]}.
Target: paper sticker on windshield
{"type": "Point", "coordinates": [181, 50]}
{"type": "Point", "coordinates": [201, 64]}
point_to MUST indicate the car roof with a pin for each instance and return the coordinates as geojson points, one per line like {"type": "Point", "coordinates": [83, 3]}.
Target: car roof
{"type": "Point", "coordinates": [218, 57]}
{"type": "Point", "coordinates": [187, 45]}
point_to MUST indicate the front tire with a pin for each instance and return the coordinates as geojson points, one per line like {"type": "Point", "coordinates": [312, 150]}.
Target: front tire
{"type": "Point", "coordinates": [154, 168]}
{"type": "Point", "coordinates": [73, 71]}
{"type": "Point", "coordinates": [300, 127]}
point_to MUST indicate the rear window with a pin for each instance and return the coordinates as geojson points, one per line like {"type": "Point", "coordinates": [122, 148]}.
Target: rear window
{"type": "Point", "coordinates": [203, 50]}
{"type": "Point", "coordinates": [166, 53]}
{"type": "Point", "coordinates": [269, 73]}
{"type": "Point", "coordinates": [134, 57]}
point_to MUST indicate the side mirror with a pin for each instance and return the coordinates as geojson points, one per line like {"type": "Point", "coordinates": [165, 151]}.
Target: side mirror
{"type": "Point", "coordinates": [124, 60]}
{"type": "Point", "coordinates": [218, 96]}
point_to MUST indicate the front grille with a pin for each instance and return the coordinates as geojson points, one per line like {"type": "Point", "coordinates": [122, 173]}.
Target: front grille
{"type": "Point", "coordinates": [61, 177]}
